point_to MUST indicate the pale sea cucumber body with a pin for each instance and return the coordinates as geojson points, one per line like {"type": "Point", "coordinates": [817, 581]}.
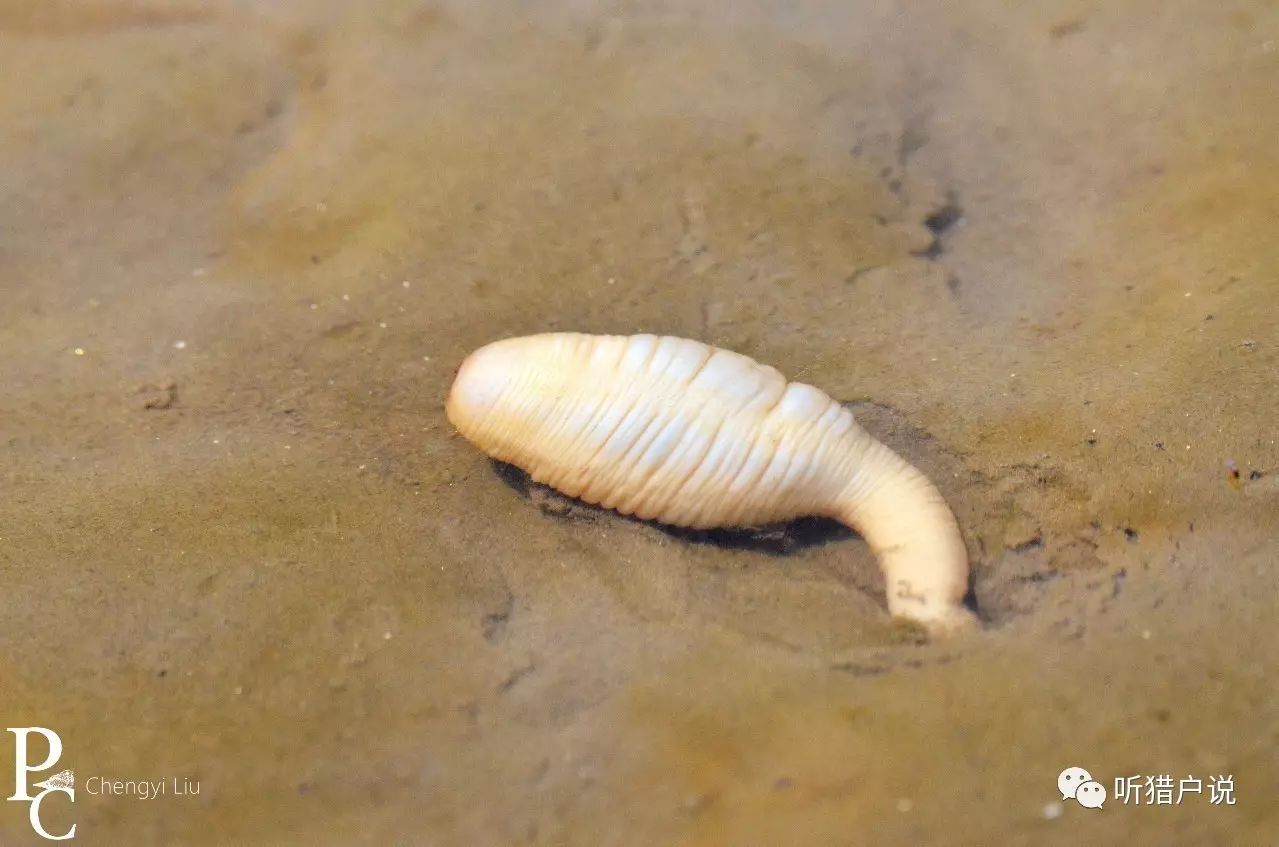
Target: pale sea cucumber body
{"type": "Point", "coordinates": [692, 435]}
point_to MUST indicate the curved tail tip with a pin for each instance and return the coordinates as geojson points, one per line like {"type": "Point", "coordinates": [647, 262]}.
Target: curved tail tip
{"type": "Point", "coordinates": [949, 622]}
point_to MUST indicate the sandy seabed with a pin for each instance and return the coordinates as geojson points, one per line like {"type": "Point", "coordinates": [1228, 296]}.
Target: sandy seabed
{"type": "Point", "coordinates": [243, 247]}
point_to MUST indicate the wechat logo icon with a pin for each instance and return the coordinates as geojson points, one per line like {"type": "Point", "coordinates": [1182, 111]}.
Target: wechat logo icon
{"type": "Point", "coordinates": [1078, 785]}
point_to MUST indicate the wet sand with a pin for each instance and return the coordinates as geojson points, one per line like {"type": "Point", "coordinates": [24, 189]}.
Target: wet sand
{"type": "Point", "coordinates": [243, 246]}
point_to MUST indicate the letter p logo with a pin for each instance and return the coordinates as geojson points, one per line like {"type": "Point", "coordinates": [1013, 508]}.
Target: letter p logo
{"type": "Point", "coordinates": [63, 781]}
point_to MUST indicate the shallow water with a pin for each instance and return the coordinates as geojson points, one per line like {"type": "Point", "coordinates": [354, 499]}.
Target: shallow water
{"type": "Point", "coordinates": [243, 247]}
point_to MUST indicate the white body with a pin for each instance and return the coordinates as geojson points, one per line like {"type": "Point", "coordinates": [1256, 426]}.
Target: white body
{"type": "Point", "coordinates": [691, 435]}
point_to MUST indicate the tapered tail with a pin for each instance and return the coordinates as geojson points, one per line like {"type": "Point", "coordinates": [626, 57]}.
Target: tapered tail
{"type": "Point", "coordinates": [916, 540]}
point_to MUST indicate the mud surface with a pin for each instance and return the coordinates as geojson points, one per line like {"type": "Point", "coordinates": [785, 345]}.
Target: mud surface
{"type": "Point", "coordinates": [244, 245]}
